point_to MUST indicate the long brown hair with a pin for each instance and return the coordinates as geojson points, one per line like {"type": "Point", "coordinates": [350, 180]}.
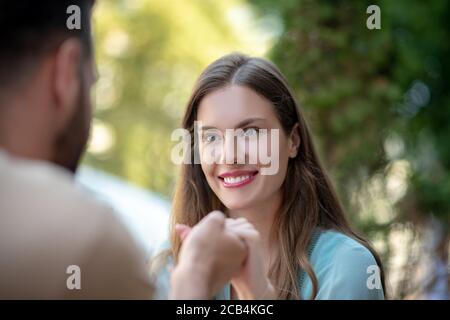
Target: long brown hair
{"type": "Point", "coordinates": [311, 201]}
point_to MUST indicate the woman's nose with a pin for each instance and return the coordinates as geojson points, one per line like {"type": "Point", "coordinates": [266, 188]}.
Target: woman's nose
{"type": "Point", "coordinates": [234, 151]}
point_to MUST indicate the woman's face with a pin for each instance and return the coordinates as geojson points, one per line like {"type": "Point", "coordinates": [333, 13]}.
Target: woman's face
{"type": "Point", "coordinates": [239, 147]}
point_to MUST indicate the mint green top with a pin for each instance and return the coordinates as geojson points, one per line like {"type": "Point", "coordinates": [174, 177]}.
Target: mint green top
{"type": "Point", "coordinates": [344, 268]}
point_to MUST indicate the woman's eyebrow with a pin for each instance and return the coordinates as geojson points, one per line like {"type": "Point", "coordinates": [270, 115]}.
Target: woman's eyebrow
{"type": "Point", "coordinates": [241, 124]}
{"type": "Point", "coordinates": [204, 128]}
{"type": "Point", "coordinates": [247, 122]}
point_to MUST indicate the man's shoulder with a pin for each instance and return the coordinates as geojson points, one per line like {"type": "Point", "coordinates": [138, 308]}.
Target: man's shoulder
{"type": "Point", "coordinates": [42, 186]}
{"type": "Point", "coordinates": [48, 224]}
{"type": "Point", "coordinates": [37, 198]}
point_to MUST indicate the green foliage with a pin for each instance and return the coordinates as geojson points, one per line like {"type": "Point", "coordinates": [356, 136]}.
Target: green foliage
{"type": "Point", "coordinates": [356, 87]}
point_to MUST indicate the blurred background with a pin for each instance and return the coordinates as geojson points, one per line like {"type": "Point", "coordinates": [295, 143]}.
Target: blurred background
{"type": "Point", "coordinates": [377, 102]}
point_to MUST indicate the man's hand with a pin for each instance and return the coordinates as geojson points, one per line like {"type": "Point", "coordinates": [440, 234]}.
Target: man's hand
{"type": "Point", "coordinates": [209, 257]}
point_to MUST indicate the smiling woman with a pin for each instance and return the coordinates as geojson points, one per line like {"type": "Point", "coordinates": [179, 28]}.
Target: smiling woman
{"type": "Point", "coordinates": [243, 185]}
{"type": "Point", "coordinates": [300, 244]}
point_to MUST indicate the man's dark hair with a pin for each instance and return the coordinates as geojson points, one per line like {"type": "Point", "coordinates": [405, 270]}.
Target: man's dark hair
{"type": "Point", "coordinates": [30, 28]}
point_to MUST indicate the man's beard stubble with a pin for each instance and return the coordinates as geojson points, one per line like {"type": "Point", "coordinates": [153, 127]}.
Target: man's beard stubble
{"type": "Point", "coordinates": [71, 143]}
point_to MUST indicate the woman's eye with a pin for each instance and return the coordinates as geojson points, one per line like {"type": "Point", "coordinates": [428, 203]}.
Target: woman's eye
{"type": "Point", "coordinates": [211, 138]}
{"type": "Point", "coordinates": [250, 132]}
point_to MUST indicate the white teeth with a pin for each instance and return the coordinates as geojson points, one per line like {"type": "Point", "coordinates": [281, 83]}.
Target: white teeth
{"type": "Point", "coordinates": [232, 180]}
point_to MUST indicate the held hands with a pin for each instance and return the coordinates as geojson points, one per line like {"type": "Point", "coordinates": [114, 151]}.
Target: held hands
{"type": "Point", "coordinates": [246, 271]}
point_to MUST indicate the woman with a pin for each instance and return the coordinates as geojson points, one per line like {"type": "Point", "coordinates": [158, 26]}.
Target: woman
{"type": "Point", "coordinates": [300, 243]}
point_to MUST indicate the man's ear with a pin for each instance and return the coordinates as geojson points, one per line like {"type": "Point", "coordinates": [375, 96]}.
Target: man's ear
{"type": "Point", "coordinates": [66, 80]}
{"type": "Point", "coordinates": [294, 141]}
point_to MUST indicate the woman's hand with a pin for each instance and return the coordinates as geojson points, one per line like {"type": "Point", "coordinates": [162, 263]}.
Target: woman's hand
{"type": "Point", "coordinates": [251, 282]}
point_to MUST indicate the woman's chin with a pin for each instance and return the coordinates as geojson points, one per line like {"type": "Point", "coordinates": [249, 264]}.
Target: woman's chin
{"type": "Point", "coordinates": [237, 204]}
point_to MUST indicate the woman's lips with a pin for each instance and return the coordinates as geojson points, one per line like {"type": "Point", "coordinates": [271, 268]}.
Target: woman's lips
{"type": "Point", "coordinates": [237, 179]}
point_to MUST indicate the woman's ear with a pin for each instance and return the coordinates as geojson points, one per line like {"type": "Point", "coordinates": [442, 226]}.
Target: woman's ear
{"type": "Point", "coordinates": [294, 141]}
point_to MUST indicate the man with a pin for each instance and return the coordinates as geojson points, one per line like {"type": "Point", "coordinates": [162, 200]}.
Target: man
{"type": "Point", "coordinates": [55, 242]}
